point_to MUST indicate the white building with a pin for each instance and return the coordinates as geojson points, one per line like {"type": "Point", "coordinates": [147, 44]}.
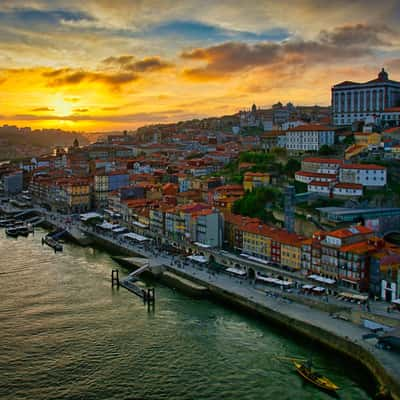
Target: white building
{"type": "Point", "coordinates": [292, 124]}
{"type": "Point", "coordinates": [309, 137]}
{"type": "Point", "coordinates": [347, 190]}
{"type": "Point", "coordinates": [391, 116]}
{"type": "Point", "coordinates": [353, 101]}
{"type": "Point", "coordinates": [307, 177]}
{"type": "Point", "coordinates": [321, 165]}
{"type": "Point", "coordinates": [334, 190]}
{"type": "Point", "coordinates": [319, 187]}
{"type": "Point", "coordinates": [369, 175]}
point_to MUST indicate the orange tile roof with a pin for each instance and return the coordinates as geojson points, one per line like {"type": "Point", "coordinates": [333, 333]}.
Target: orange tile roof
{"type": "Point", "coordinates": [346, 232]}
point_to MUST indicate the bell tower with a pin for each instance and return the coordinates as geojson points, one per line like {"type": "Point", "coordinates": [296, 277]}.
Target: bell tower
{"type": "Point", "coordinates": [383, 75]}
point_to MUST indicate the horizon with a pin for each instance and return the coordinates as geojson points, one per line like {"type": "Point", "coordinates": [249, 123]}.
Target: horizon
{"type": "Point", "coordinates": [91, 67]}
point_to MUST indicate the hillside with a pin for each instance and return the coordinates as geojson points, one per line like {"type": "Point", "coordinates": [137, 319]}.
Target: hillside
{"type": "Point", "coordinates": [24, 142]}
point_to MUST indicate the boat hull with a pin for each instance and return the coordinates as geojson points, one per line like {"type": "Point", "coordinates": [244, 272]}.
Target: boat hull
{"type": "Point", "coordinates": [321, 382]}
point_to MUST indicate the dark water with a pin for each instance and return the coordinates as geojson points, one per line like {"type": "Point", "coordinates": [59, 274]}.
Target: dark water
{"type": "Point", "coordinates": [65, 334]}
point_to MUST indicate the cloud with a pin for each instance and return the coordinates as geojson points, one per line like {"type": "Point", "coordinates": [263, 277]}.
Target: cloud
{"type": "Point", "coordinates": [71, 99]}
{"type": "Point", "coordinates": [42, 109]}
{"type": "Point", "coordinates": [80, 110]}
{"type": "Point", "coordinates": [110, 108]}
{"type": "Point", "coordinates": [69, 76]}
{"type": "Point", "coordinates": [156, 116]}
{"type": "Point", "coordinates": [393, 64]}
{"type": "Point", "coordinates": [120, 61]}
{"type": "Point", "coordinates": [197, 30]}
{"type": "Point", "coordinates": [359, 34]}
{"type": "Point", "coordinates": [332, 47]}
{"type": "Point", "coordinates": [128, 63]}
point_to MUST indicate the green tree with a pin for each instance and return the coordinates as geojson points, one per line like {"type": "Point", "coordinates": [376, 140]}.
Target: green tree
{"type": "Point", "coordinates": [326, 150]}
{"type": "Point", "coordinates": [291, 167]}
{"type": "Point", "coordinates": [253, 204]}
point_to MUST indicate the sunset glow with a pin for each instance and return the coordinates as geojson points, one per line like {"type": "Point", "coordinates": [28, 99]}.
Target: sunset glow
{"type": "Point", "coordinates": [92, 67]}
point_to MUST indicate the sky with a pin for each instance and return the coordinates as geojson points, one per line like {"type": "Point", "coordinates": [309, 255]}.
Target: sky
{"type": "Point", "coordinates": [101, 65]}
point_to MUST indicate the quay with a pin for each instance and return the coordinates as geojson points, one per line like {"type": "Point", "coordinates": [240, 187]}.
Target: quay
{"type": "Point", "coordinates": [343, 335]}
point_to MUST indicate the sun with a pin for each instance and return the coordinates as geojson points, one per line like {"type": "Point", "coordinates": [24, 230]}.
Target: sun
{"type": "Point", "coordinates": [61, 107]}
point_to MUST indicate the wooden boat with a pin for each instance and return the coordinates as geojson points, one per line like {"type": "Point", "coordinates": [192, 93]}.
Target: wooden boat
{"type": "Point", "coordinates": [314, 377]}
{"type": "Point", "coordinates": [52, 243]}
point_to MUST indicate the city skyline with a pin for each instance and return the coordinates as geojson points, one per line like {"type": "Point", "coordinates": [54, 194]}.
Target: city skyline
{"type": "Point", "coordinates": [92, 66]}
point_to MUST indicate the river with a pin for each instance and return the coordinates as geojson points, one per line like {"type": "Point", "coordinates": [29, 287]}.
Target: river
{"type": "Point", "coordinates": [65, 334]}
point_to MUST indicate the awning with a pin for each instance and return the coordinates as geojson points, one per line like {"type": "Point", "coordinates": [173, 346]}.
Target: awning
{"type": "Point", "coordinates": [252, 258]}
{"type": "Point", "coordinates": [199, 259]}
{"type": "Point", "coordinates": [274, 281]}
{"type": "Point", "coordinates": [136, 237]}
{"type": "Point", "coordinates": [119, 229]}
{"type": "Point", "coordinates": [307, 287]}
{"type": "Point", "coordinates": [236, 271]}
{"type": "Point", "coordinates": [91, 215]}
{"type": "Point", "coordinates": [112, 213]}
{"type": "Point", "coordinates": [139, 224]}
{"type": "Point", "coordinates": [354, 296]}
{"type": "Point", "coordinates": [204, 246]}
{"type": "Point", "coordinates": [349, 281]}
{"type": "Point", "coordinates": [107, 226]}
{"type": "Point", "coordinates": [318, 289]}
{"type": "Point", "coordinates": [321, 279]}
{"type": "Point", "coordinates": [396, 301]}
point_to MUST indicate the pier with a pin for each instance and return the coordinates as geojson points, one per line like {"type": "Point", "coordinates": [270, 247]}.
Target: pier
{"type": "Point", "coordinates": [129, 283]}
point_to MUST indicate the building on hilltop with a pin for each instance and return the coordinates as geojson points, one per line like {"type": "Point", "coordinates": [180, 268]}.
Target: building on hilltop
{"type": "Point", "coordinates": [353, 101]}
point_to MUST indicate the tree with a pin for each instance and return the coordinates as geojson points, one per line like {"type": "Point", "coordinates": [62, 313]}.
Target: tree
{"type": "Point", "coordinates": [291, 167]}
{"type": "Point", "coordinates": [253, 204]}
{"type": "Point", "coordinates": [326, 150]}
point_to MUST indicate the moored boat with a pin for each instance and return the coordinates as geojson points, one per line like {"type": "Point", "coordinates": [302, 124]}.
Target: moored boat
{"type": "Point", "coordinates": [306, 372]}
{"type": "Point", "coordinates": [52, 243]}
{"type": "Point", "coordinates": [13, 232]}
{"type": "Point", "coordinates": [5, 222]}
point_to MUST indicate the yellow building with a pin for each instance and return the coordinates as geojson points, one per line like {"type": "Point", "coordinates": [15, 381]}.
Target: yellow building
{"type": "Point", "coordinates": [254, 180]}
{"type": "Point", "coordinates": [291, 255]}
{"type": "Point", "coordinates": [257, 240]}
{"type": "Point", "coordinates": [367, 138]}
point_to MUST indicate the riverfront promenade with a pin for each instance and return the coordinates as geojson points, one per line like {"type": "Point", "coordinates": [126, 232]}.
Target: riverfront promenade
{"type": "Point", "coordinates": [250, 293]}
{"type": "Point", "coordinates": [247, 290]}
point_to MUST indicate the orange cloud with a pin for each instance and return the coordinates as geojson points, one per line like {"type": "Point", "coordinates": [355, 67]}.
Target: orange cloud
{"type": "Point", "coordinates": [342, 44]}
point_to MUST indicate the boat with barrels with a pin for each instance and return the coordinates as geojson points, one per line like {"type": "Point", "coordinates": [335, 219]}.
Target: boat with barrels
{"type": "Point", "coordinates": [306, 371]}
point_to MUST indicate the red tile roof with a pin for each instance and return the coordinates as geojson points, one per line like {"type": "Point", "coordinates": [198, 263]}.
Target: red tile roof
{"type": "Point", "coordinates": [392, 109]}
{"type": "Point", "coordinates": [310, 127]}
{"type": "Point", "coordinates": [347, 232]}
{"type": "Point", "coordinates": [321, 160]}
{"type": "Point", "coordinates": [318, 183]}
{"type": "Point", "coordinates": [363, 166]}
{"type": "Point", "coordinates": [316, 175]}
{"type": "Point", "coordinates": [348, 186]}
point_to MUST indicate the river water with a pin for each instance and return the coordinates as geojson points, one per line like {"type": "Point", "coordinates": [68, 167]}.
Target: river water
{"type": "Point", "coordinates": [65, 334]}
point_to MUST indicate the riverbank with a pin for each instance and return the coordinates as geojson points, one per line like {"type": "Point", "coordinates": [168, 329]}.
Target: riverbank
{"type": "Point", "coordinates": [341, 336]}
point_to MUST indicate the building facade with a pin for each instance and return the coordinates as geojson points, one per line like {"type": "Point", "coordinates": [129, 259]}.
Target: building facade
{"type": "Point", "coordinates": [353, 101]}
{"type": "Point", "coordinates": [309, 137]}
